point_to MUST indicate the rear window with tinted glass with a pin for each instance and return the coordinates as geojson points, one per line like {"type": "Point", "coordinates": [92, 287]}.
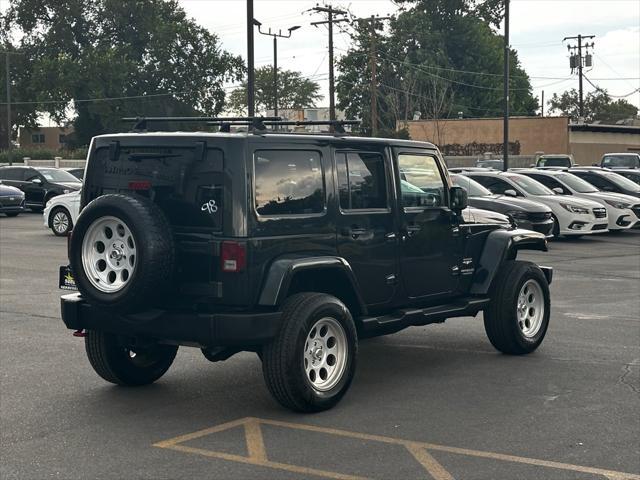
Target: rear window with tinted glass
{"type": "Point", "coordinates": [288, 182]}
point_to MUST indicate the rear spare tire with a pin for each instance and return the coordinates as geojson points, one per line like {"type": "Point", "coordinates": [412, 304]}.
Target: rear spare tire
{"type": "Point", "coordinates": [122, 252]}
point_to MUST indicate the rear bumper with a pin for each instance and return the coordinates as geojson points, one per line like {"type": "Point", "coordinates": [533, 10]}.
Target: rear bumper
{"type": "Point", "coordinates": [179, 327]}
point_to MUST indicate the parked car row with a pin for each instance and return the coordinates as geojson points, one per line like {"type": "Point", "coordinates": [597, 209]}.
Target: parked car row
{"type": "Point", "coordinates": [578, 201]}
{"type": "Point", "coordinates": [39, 184]}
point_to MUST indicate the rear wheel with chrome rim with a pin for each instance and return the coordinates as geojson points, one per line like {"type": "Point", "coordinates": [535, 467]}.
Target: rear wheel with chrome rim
{"type": "Point", "coordinates": [517, 318]}
{"type": "Point", "coordinates": [116, 361]}
{"type": "Point", "coordinates": [309, 366]}
{"type": "Point", "coordinates": [60, 221]}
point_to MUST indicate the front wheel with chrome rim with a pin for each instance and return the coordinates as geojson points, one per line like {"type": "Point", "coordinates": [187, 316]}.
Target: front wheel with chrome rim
{"type": "Point", "coordinates": [309, 366]}
{"type": "Point", "coordinates": [60, 222]}
{"type": "Point", "coordinates": [517, 318]}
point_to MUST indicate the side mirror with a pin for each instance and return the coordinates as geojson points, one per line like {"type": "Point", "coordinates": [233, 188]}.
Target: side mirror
{"type": "Point", "coordinates": [511, 193]}
{"type": "Point", "coordinates": [559, 191]}
{"type": "Point", "coordinates": [459, 199]}
{"type": "Point", "coordinates": [594, 164]}
{"type": "Point", "coordinates": [37, 181]}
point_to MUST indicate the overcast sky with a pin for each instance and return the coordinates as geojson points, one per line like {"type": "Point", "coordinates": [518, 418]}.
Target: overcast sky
{"type": "Point", "coordinates": [537, 30]}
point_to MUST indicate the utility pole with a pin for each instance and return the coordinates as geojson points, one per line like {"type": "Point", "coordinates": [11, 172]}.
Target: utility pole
{"type": "Point", "coordinates": [275, 58]}
{"type": "Point", "coordinates": [578, 62]}
{"type": "Point", "coordinates": [8, 75]}
{"type": "Point", "coordinates": [374, 64]}
{"type": "Point", "coordinates": [330, 11]}
{"type": "Point", "coordinates": [542, 113]}
{"type": "Point", "coordinates": [251, 101]}
{"type": "Point", "coordinates": [505, 146]}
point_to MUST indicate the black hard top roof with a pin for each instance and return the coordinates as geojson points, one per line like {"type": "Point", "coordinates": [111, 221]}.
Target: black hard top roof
{"type": "Point", "coordinates": [276, 138]}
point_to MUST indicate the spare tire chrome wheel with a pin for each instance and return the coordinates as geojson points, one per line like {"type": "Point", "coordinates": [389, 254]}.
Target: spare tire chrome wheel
{"type": "Point", "coordinates": [122, 253]}
{"type": "Point", "coordinates": [109, 254]}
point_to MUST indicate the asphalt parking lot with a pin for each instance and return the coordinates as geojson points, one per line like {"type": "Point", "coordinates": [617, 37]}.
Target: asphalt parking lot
{"type": "Point", "coordinates": [432, 402]}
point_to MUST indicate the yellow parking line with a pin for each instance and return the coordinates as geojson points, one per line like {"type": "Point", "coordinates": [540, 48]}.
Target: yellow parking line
{"type": "Point", "coordinates": [264, 463]}
{"type": "Point", "coordinates": [462, 451]}
{"type": "Point", "coordinates": [255, 443]}
{"type": "Point", "coordinates": [201, 433]}
{"type": "Point", "coordinates": [429, 463]}
{"type": "Point", "coordinates": [420, 451]}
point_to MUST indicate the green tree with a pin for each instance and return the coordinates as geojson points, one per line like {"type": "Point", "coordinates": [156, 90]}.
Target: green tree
{"type": "Point", "coordinates": [598, 106]}
{"type": "Point", "coordinates": [76, 50]}
{"type": "Point", "coordinates": [294, 91]}
{"type": "Point", "coordinates": [439, 57]}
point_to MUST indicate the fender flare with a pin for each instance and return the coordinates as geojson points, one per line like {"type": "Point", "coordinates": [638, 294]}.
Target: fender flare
{"type": "Point", "coordinates": [281, 272]}
{"type": "Point", "coordinates": [500, 246]}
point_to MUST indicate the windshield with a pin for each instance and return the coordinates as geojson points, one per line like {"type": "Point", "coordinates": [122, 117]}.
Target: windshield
{"type": "Point", "coordinates": [529, 185]}
{"type": "Point", "coordinates": [497, 164]}
{"type": "Point", "coordinates": [628, 161]}
{"type": "Point", "coordinates": [554, 162]}
{"type": "Point", "coordinates": [622, 182]}
{"type": "Point", "coordinates": [576, 183]}
{"type": "Point", "coordinates": [473, 188]}
{"type": "Point", "coordinates": [55, 175]}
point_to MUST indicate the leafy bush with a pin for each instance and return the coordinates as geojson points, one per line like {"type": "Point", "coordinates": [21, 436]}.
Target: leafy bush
{"type": "Point", "coordinates": [42, 154]}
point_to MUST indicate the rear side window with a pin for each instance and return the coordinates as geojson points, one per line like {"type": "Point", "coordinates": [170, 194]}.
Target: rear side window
{"type": "Point", "coordinates": [496, 185]}
{"type": "Point", "coordinates": [361, 181]}
{"type": "Point", "coordinates": [288, 182]}
{"type": "Point", "coordinates": [11, 174]}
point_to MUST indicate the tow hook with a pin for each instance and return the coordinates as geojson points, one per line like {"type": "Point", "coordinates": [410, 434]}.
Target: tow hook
{"type": "Point", "coordinates": [80, 333]}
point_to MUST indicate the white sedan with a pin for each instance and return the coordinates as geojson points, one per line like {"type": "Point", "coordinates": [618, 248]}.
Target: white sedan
{"type": "Point", "coordinates": [61, 213]}
{"type": "Point", "coordinates": [620, 207]}
{"type": "Point", "coordinates": [572, 216]}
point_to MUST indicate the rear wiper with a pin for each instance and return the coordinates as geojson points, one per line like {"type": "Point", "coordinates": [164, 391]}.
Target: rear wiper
{"type": "Point", "coordinates": [136, 157]}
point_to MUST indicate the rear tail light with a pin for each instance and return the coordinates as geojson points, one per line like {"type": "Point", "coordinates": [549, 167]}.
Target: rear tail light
{"type": "Point", "coordinates": [140, 185]}
{"type": "Point", "coordinates": [233, 256]}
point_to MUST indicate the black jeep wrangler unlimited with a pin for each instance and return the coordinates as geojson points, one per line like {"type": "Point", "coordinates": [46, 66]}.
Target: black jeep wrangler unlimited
{"type": "Point", "coordinates": [294, 246]}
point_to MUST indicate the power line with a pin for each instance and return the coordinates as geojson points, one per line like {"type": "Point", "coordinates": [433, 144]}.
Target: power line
{"type": "Point", "coordinates": [103, 99]}
{"type": "Point", "coordinates": [614, 96]}
{"type": "Point", "coordinates": [330, 11]}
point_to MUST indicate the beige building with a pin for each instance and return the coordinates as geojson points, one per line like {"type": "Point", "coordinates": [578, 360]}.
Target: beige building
{"type": "Point", "coordinates": [589, 142]}
{"type": "Point", "coordinates": [527, 136]}
{"type": "Point", "coordinates": [45, 137]}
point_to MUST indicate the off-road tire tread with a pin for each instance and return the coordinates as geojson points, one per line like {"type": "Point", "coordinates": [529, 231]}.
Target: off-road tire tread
{"type": "Point", "coordinates": [98, 351]}
{"type": "Point", "coordinates": [505, 287]}
{"type": "Point", "coordinates": [275, 354]}
{"type": "Point", "coordinates": [158, 267]}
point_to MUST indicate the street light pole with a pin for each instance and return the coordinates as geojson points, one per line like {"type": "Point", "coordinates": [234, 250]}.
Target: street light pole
{"type": "Point", "coordinates": [275, 76]}
{"type": "Point", "coordinates": [275, 58]}
{"type": "Point", "coordinates": [505, 146]}
{"type": "Point", "coordinates": [251, 102]}
{"type": "Point", "coordinates": [8, 108]}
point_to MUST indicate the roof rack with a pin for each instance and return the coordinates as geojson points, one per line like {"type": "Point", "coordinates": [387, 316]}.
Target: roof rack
{"type": "Point", "coordinates": [140, 123]}
{"type": "Point", "coordinates": [336, 125]}
{"type": "Point", "coordinates": [225, 123]}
